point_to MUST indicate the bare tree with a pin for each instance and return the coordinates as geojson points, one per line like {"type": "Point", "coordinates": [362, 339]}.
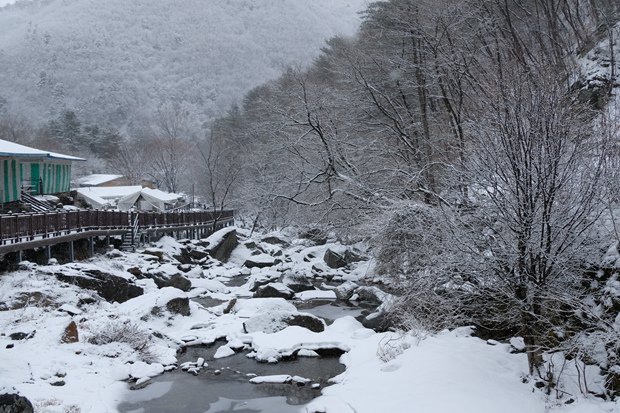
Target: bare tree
{"type": "Point", "coordinates": [539, 165]}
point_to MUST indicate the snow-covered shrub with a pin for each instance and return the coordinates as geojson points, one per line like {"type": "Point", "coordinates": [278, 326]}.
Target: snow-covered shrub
{"type": "Point", "coordinates": [54, 405]}
{"type": "Point", "coordinates": [415, 245]}
{"type": "Point", "coordinates": [391, 347]}
{"type": "Point", "coordinates": [410, 237]}
{"type": "Point", "coordinates": [128, 332]}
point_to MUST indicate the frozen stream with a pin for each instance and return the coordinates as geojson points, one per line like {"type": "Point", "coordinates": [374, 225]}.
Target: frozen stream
{"type": "Point", "coordinates": [224, 385]}
{"type": "Point", "coordinates": [230, 390]}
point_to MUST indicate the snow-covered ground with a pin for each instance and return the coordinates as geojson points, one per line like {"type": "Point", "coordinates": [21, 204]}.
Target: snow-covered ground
{"type": "Point", "coordinates": [126, 344]}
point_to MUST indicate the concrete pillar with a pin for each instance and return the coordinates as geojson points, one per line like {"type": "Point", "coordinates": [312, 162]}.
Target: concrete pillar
{"type": "Point", "coordinates": [107, 240]}
{"type": "Point", "coordinates": [71, 252]}
{"type": "Point", "coordinates": [48, 252]}
{"type": "Point", "coordinates": [91, 246]}
{"type": "Point", "coordinates": [20, 256]}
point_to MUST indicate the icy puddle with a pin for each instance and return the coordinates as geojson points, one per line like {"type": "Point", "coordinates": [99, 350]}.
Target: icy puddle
{"type": "Point", "coordinates": [230, 390]}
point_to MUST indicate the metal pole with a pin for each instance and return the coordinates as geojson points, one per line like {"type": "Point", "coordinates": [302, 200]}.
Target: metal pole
{"type": "Point", "coordinates": [71, 252]}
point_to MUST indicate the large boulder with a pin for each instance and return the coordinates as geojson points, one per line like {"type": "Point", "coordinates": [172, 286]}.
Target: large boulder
{"type": "Point", "coordinates": [258, 280]}
{"type": "Point", "coordinates": [198, 254]}
{"type": "Point", "coordinates": [274, 290]}
{"type": "Point", "coordinates": [275, 239]}
{"type": "Point", "coordinates": [378, 321]}
{"type": "Point", "coordinates": [184, 256]}
{"type": "Point", "coordinates": [372, 295]}
{"type": "Point", "coordinates": [169, 275]}
{"type": "Point", "coordinates": [297, 282]}
{"type": "Point", "coordinates": [274, 321]}
{"type": "Point", "coordinates": [111, 287]}
{"type": "Point", "coordinates": [222, 243]}
{"type": "Point", "coordinates": [155, 303]}
{"type": "Point", "coordinates": [179, 305]}
{"type": "Point", "coordinates": [345, 290]}
{"type": "Point", "coordinates": [176, 281]}
{"type": "Point", "coordinates": [317, 236]}
{"type": "Point", "coordinates": [14, 403]}
{"type": "Point", "coordinates": [334, 260]}
{"type": "Point", "coordinates": [155, 252]}
{"type": "Point", "coordinates": [260, 261]}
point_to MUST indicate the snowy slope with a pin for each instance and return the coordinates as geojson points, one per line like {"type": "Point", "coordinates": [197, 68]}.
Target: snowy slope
{"type": "Point", "coordinates": [115, 60]}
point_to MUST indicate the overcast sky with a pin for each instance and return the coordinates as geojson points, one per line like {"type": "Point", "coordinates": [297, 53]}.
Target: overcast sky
{"type": "Point", "coordinates": [5, 2]}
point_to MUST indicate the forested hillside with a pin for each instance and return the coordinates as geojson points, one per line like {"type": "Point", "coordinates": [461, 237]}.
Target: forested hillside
{"type": "Point", "coordinates": [115, 62]}
{"type": "Point", "coordinates": [474, 144]}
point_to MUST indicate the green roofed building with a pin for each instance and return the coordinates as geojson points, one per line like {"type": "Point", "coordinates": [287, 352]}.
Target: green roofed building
{"type": "Point", "coordinates": [33, 171]}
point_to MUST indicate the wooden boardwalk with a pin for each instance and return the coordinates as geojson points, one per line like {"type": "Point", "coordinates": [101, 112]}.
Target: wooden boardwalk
{"type": "Point", "coordinates": [20, 232]}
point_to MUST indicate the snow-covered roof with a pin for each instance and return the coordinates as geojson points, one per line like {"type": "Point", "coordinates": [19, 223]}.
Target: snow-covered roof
{"type": "Point", "coordinates": [109, 192]}
{"type": "Point", "coordinates": [97, 179]}
{"type": "Point", "coordinates": [124, 197]}
{"type": "Point", "coordinates": [160, 195]}
{"type": "Point", "coordinates": [16, 150]}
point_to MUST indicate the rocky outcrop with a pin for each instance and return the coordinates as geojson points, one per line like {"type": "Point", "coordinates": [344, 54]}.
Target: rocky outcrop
{"type": "Point", "coordinates": [184, 256]}
{"type": "Point", "coordinates": [260, 261]}
{"type": "Point", "coordinates": [155, 252]}
{"type": "Point", "coordinates": [377, 321]}
{"type": "Point", "coordinates": [176, 280]}
{"type": "Point", "coordinates": [110, 287]}
{"type": "Point", "coordinates": [317, 236]}
{"type": "Point", "coordinates": [334, 260]}
{"type": "Point", "coordinates": [179, 305]}
{"type": "Point", "coordinates": [14, 403]}
{"type": "Point", "coordinates": [339, 260]}
{"type": "Point", "coordinates": [345, 290]}
{"type": "Point", "coordinates": [274, 290]}
{"type": "Point", "coordinates": [297, 282]}
{"type": "Point", "coordinates": [371, 294]}
{"type": "Point", "coordinates": [221, 244]}
{"type": "Point", "coordinates": [274, 321]}
{"type": "Point", "coordinates": [275, 240]}
{"type": "Point", "coordinates": [70, 335]}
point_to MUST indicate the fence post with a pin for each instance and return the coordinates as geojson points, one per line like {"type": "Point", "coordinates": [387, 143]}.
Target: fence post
{"type": "Point", "coordinates": [45, 224]}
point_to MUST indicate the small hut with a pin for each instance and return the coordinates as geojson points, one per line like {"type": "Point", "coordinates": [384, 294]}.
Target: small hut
{"type": "Point", "coordinates": [33, 171]}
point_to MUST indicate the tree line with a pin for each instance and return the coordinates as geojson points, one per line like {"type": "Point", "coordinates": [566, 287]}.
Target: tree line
{"type": "Point", "coordinates": [462, 139]}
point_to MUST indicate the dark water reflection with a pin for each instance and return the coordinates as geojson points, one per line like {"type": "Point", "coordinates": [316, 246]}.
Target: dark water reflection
{"type": "Point", "coordinates": [230, 390]}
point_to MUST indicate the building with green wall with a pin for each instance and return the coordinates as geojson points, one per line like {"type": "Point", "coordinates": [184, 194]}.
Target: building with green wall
{"type": "Point", "coordinates": [33, 171]}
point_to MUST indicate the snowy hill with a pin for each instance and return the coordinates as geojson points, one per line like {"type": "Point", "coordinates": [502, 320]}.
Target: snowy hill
{"type": "Point", "coordinates": [115, 61]}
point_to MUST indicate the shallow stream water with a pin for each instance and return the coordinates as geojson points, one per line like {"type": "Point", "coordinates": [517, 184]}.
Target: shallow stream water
{"type": "Point", "coordinates": [224, 386]}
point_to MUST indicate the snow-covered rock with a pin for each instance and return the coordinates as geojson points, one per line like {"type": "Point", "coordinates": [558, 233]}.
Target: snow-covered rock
{"type": "Point", "coordinates": [278, 320]}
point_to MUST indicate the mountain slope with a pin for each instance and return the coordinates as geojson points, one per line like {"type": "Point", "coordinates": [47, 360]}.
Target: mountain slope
{"type": "Point", "coordinates": [116, 61]}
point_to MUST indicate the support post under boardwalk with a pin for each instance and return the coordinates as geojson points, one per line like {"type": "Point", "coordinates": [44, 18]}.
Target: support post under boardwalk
{"type": "Point", "coordinates": [20, 256]}
{"type": "Point", "coordinates": [71, 252]}
{"type": "Point", "coordinates": [91, 247]}
{"type": "Point", "coordinates": [48, 252]}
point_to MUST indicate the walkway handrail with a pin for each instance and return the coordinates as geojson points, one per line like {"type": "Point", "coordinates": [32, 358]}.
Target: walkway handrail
{"type": "Point", "coordinates": [50, 224]}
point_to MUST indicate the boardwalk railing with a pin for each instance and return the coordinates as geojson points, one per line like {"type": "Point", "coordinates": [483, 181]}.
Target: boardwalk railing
{"type": "Point", "coordinates": [17, 228]}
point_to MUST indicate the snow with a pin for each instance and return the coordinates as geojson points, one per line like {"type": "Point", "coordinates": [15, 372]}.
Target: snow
{"type": "Point", "coordinates": [15, 150]}
{"type": "Point", "coordinates": [109, 192]}
{"type": "Point", "coordinates": [393, 371]}
{"type": "Point", "coordinates": [443, 373]}
{"type": "Point", "coordinates": [223, 351]}
{"type": "Point", "coordinates": [316, 295]}
{"type": "Point", "coordinates": [217, 237]}
{"type": "Point", "coordinates": [209, 285]}
{"type": "Point", "coordinates": [276, 378]}
{"type": "Point", "coordinates": [246, 308]}
{"type": "Point", "coordinates": [97, 179]}
{"type": "Point", "coordinates": [160, 195]}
